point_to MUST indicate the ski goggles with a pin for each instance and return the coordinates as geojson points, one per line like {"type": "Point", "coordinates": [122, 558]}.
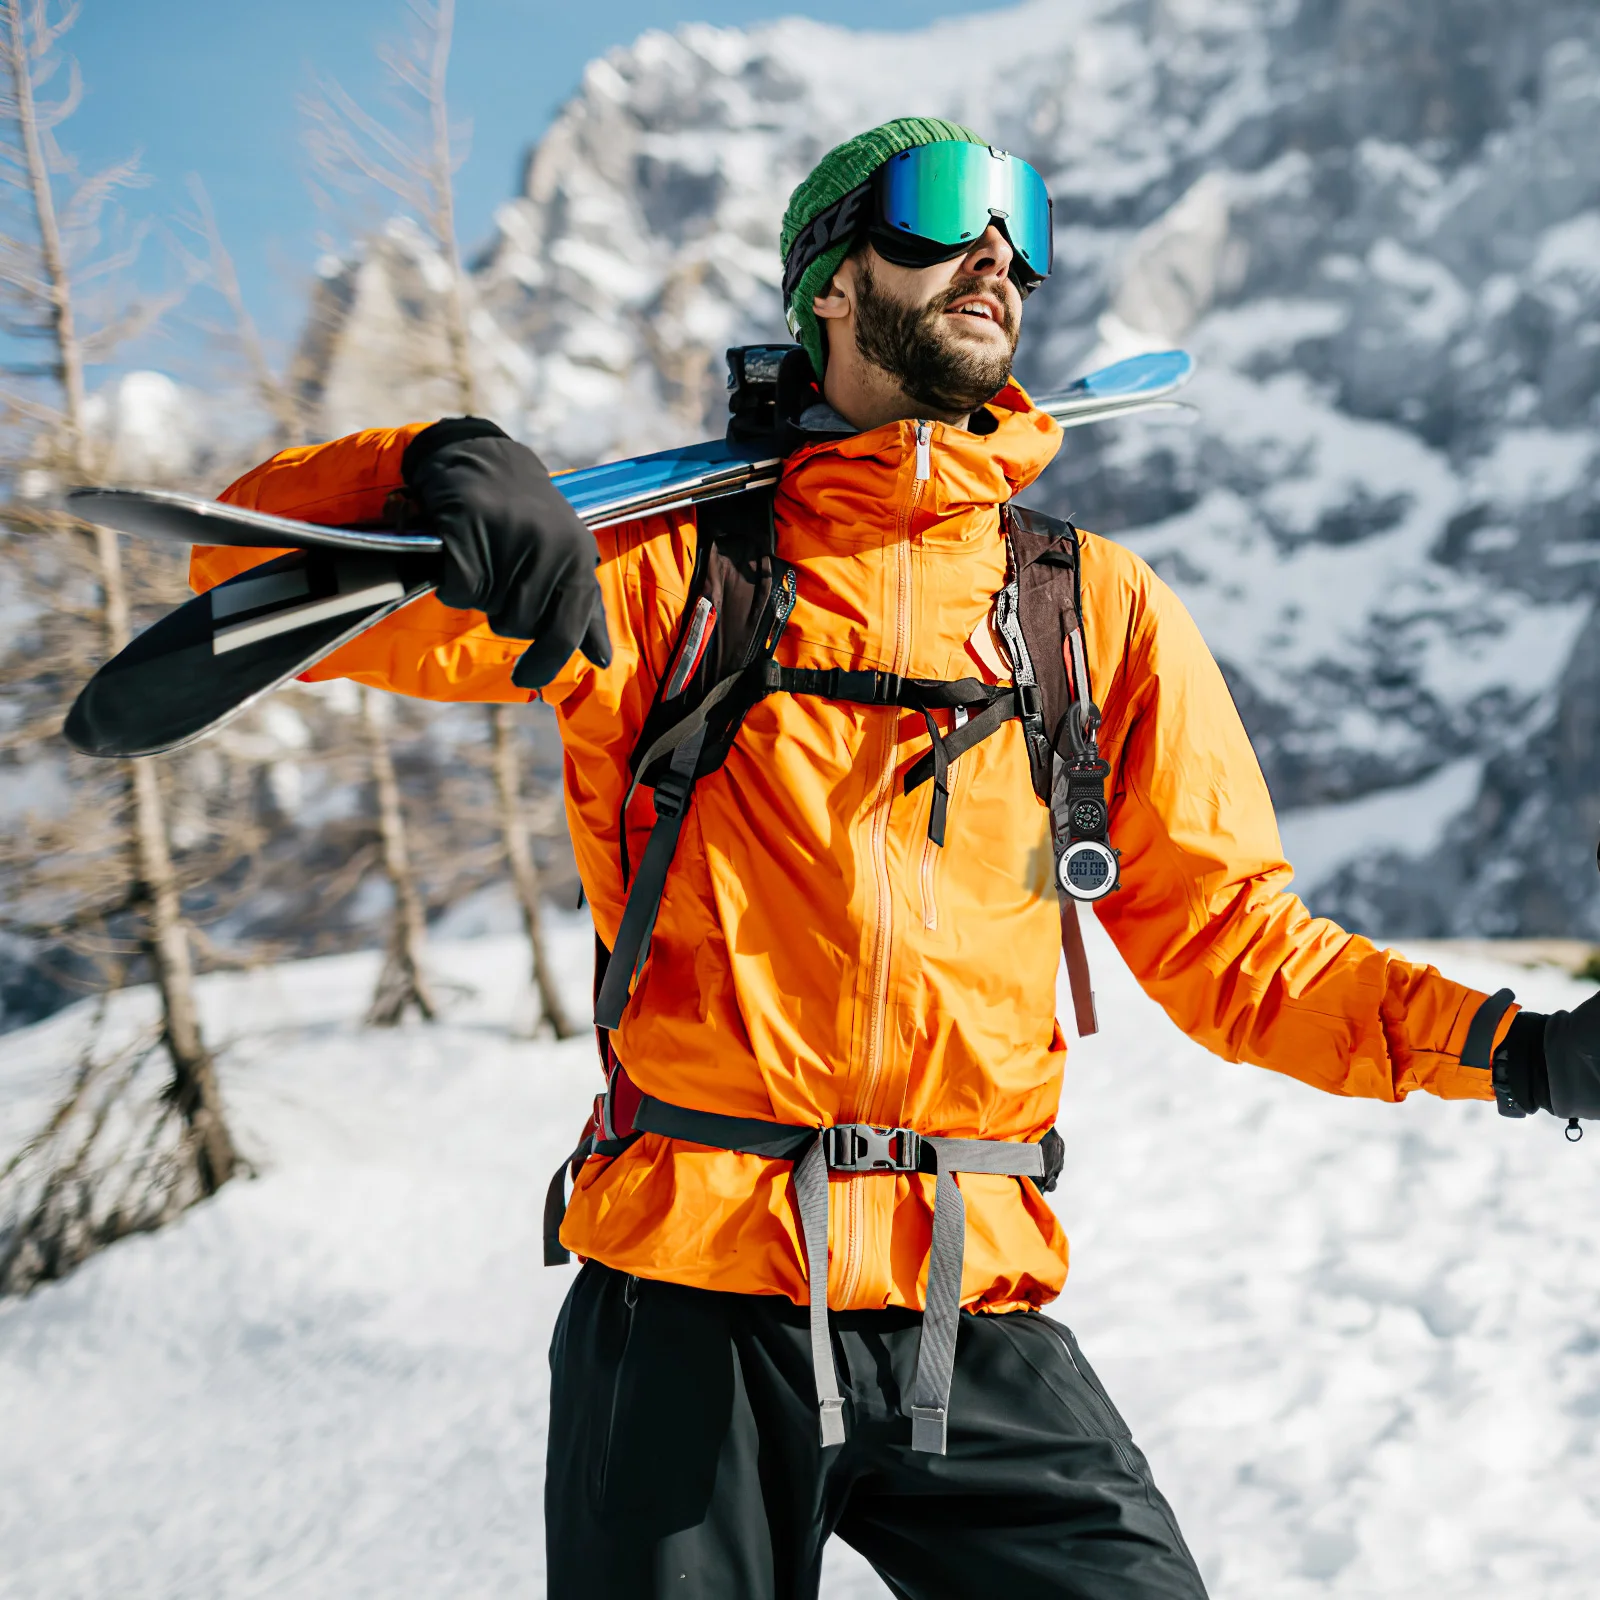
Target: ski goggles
{"type": "Point", "coordinates": [929, 203]}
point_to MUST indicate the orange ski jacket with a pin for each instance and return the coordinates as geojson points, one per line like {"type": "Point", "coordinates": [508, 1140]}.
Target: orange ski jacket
{"type": "Point", "coordinates": [817, 959]}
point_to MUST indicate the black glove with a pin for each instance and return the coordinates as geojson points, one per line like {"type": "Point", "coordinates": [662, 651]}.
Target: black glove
{"type": "Point", "coordinates": [1551, 1063]}
{"type": "Point", "coordinates": [513, 548]}
{"type": "Point", "coordinates": [1572, 1060]}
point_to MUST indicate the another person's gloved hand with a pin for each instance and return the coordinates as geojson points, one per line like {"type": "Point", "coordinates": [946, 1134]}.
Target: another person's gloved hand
{"type": "Point", "coordinates": [513, 547]}
{"type": "Point", "coordinates": [1551, 1063]}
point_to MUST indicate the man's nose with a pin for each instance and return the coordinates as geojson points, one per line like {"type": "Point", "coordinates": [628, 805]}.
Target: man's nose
{"type": "Point", "coordinates": [990, 255]}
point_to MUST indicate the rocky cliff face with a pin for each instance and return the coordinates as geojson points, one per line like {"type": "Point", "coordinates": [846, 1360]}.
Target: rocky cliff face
{"type": "Point", "coordinates": [1377, 225]}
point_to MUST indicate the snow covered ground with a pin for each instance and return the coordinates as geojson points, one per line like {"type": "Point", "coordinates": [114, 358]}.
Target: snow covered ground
{"type": "Point", "coordinates": [1360, 1344]}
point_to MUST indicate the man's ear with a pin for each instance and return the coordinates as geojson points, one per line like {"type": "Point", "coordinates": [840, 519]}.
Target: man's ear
{"type": "Point", "coordinates": [838, 299]}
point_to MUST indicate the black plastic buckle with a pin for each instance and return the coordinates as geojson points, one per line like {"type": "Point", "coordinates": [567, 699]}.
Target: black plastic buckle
{"type": "Point", "coordinates": [1029, 706]}
{"type": "Point", "coordinates": [672, 793]}
{"type": "Point", "coordinates": [856, 1147]}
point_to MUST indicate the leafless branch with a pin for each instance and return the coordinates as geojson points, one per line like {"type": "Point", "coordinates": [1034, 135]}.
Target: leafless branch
{"type": "Point", "coordinates": [273, 393]}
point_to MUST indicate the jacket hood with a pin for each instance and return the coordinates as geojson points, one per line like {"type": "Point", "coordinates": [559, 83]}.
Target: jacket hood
{"type": "Point", "coordinates": [1005, 447]}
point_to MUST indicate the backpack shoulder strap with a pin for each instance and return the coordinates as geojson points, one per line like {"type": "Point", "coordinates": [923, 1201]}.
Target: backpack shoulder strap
{"type": "Point", "coordinates": [1049, 616]}
{"type": "Point", "coordinates": [740, 597]}
{"type": "Point", "coordinates": [1046, 640]}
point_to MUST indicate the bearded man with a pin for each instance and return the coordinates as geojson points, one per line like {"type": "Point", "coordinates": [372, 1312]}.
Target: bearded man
{"type": "Point", "coordinates": [830, 1037]}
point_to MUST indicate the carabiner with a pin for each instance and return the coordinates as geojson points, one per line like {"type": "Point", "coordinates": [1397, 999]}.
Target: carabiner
{"type": "Point", "coordinates": [1083, 722]}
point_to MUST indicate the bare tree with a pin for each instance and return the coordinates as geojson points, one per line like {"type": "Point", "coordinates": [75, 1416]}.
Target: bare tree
{"type": "Point", "coordinates": [415, 163]}
{"type": "Point", "coordinates": [51, 263]}
{"type": "Point", "coordinates": [402, 983]}
{"type": "Point", "coordinates": [524, 872]}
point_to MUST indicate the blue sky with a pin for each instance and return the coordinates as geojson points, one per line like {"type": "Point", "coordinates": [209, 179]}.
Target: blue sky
{"type": "Point", "coordinates": [210, 87]}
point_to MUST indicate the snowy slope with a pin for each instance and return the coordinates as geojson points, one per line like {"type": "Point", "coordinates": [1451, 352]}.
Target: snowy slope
{"type": "Point", "coordinates": [1358, 1342]}
{"type": "Point", "coordinates": [1378, 226]}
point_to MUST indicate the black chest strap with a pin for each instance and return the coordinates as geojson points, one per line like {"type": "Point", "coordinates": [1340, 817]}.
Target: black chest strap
{"type": "Point", "coordinates": [994, 705]}
{"type": "Point", "coordinates": [676, 760]}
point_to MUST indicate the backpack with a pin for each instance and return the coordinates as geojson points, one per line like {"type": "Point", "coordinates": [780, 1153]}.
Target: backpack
{"type": "Point", "coordinates": [740, 596]}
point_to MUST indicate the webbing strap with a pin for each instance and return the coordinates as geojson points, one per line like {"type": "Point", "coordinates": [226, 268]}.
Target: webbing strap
{"type": "Point", "coordinates": [811, 1195]}
{"type": "Point", "coordinates": [644, 895]}
{"type": "Point", "coordinates": [808, 1148]}
{"type": "Point", "coordinates": [927, 695]}
{"type": "Point", "coordinates": [936, 1350]}
{"type": "Point", "coordinates": [972, 732]}
{"type": "Point", "coordinates": [1078, 980]}
{"type": "Point", "coordinates": [939, 754]}
{"type": "Point", "coordinates": [556, 1254]}
{"type": "Point", "coordinates": [864, 688]}
{"type": "Point", "coordinates": [803, 1146]}
{"type": "Point", "coordinates": [679, 731]}
{"type": "Point", "coordinates": [748, 1135]}
{"type": "Point", "coordinates": [1477, 1048]}
{"type": "Point", "coordinates": [868, 687]}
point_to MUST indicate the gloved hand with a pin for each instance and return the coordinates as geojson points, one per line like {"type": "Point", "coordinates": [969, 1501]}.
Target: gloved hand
{"type": "Point", "coordinates": [1551, 1063]}
{"type": "Point", "coordinates": [513, 548]}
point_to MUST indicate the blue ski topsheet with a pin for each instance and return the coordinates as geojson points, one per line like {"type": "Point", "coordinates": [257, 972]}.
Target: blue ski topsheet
{"type": "Point", "coordinates": [1159, 372]}
{"type": "Point", "coordinates": [592, 491]}
{"type": "Point", "coordinates": [601, 495]}
{"type": "Point", "coordinates": [204, 663]}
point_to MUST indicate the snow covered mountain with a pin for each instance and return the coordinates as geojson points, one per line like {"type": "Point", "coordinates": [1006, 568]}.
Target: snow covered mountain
{"type": "Point", "coordinates": [1378, 226]}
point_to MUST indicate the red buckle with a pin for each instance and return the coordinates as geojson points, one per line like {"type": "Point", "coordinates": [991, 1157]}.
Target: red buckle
{"type": "Point", "coordinates": [619, 1105]}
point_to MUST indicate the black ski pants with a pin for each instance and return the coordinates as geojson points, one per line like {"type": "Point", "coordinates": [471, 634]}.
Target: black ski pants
{"type": "Point", "coordinates": [684, 1458]}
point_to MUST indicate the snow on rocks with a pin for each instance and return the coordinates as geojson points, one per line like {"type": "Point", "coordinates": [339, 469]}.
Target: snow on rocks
{"type": "Point", "coordinates": [1380, 240]}
{"type": "Point", "coordinates": [1356, 1340]}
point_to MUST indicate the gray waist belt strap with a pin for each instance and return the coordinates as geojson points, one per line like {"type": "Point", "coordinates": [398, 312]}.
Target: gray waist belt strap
{"type": "Point", "coordinates": [860, 1150]}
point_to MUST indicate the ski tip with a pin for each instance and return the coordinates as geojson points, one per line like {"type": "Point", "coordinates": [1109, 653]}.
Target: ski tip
{"type": "Point", "coordinates": [1156, 371]}
{"type": "Point", "coordinates": [91, 499]}
{"type": "Point", "coordinates": [181, 518]}
{"type": "Point", "coordinates": [166, 514]}
{"type": "Point", "coordinates": [84, 731]}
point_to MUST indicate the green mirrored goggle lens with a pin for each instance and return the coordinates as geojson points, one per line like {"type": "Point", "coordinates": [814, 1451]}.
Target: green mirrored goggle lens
{"type": "Point", "coordinates": [948, 192]}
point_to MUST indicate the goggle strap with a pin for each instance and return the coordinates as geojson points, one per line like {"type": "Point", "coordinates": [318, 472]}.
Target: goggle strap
{"type": "Point", "coordinates": [832, 225]}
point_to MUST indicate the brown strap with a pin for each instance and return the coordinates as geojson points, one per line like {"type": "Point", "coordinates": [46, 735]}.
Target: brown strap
{"type": "Point", "coordinates": [1072, 948]}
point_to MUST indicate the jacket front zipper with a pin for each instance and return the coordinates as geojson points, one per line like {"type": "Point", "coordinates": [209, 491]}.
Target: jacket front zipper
{"type": "Point", "coordinates": [883, 930]}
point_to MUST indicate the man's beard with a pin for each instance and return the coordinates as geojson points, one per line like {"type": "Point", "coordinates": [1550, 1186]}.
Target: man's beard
{"type": "Point", "coordinates": [912, 345]}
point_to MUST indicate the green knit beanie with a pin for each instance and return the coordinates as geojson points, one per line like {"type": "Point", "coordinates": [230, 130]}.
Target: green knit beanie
{"type": "Point", "coordinates": [833, 177]}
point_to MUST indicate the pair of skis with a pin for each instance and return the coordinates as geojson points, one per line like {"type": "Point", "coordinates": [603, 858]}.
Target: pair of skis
{"type": "Point", "coordinates": [215, 656]}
